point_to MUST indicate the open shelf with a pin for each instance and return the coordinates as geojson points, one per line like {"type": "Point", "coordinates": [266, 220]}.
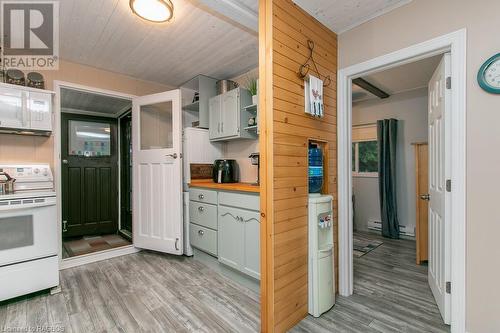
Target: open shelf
{"type": "Point", "coordinates": [192, 107]}
{"type": "Point", "coordinates": [251, 108]}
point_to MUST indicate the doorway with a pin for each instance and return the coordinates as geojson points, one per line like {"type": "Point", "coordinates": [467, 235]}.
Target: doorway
{"type": "Point", "coordinates": [454, 158]}
{"type": "Point", "coordinates": [93, 139]}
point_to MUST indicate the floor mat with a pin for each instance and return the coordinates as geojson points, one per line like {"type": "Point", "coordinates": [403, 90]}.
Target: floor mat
{"type": "Point", "coordinates": [362, 245]}
{"type": "Point", "coordinates": [91, 244]}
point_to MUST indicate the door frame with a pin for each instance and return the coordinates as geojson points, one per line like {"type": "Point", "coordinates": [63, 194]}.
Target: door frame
{"type": "Point", "coordinates": [92, 257]}
{"type": "Point", "coordinates": [455, 43]}
{"type": "Point", "coordinates": [119, 118]}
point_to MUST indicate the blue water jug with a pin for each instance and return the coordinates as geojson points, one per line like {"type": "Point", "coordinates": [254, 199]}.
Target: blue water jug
{"type": "Point", "coordinates": [315, 169]}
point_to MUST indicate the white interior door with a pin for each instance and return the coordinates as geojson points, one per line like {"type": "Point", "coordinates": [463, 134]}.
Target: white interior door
{"type": "Point", "coordinates": [157, 177]}
{"type": "Point", "coordinates": [439, 172]}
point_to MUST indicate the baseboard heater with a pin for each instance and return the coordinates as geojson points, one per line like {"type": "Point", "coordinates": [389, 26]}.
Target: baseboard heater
{"type": "Point", "coordinates": [403, 230]}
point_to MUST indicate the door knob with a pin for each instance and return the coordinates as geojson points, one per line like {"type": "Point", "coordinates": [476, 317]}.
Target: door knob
{"type": "Point", "coordinates": [65, 161]}
{"type": "Point", "coordinates": [174, 155]}
{"type": "Point", "coordinates": [425, 197]}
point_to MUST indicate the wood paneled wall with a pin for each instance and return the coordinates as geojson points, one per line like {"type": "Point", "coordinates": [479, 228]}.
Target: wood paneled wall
{"type": "Point", "coordinates": [284, 29]}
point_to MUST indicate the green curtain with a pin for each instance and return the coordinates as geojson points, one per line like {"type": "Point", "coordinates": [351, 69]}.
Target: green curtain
{"type": "Point", "coordinates": [387, 134]}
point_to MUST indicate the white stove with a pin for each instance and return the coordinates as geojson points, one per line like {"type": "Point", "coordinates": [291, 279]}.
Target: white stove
{"type": "Point", "coordinates": [28, 232]}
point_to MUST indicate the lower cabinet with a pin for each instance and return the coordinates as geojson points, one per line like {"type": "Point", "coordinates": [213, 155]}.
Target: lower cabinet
{"type": "Point", "coordinates": [239, 239]}
{"type": "Point", "coordinates": [230, 235]}
{"type": "Point", "coordinates": [203, 238]}
{"type": "Point", "coordinates": [226, 224]}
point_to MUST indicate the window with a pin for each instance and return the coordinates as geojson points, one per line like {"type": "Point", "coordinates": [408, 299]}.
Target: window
{"type": "Point", "coordinates": [365, 158]}
{"type": "Point", "coordinates": [89, 139]}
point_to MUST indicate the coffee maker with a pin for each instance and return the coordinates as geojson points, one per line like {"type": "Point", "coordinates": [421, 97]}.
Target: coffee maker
{"type": "Point", "coordinates": [255, 159]}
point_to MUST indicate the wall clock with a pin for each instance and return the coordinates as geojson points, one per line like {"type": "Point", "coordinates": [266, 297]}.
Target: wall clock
{"type": "Point", "coordinates": [489, 75]}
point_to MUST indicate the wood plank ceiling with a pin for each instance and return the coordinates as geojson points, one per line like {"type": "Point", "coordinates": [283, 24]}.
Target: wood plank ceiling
{"type": "Point", "coordinates": [106, 35]}
{"type": "Point", "coordinates": [342, 15]}
{"type": "Point", "coordinates": [76, 100]}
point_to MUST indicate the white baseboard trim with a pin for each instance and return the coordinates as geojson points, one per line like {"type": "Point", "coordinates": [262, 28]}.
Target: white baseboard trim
{"type": "Point", "coordinates": [98, 256]}
{"type": "Point", "coordinates": [403, 229]}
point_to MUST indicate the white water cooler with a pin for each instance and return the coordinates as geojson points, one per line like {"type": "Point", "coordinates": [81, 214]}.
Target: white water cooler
{"type": "Point", "coordinates": [321, 277]}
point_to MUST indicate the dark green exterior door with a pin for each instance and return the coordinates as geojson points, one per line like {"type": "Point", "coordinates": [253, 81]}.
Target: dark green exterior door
{"type": "Point", "coordinates": [89, 175]}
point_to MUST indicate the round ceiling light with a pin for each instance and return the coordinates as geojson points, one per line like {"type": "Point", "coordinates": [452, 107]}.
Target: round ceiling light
{"type": "Point", "coordinates": [153, 10]}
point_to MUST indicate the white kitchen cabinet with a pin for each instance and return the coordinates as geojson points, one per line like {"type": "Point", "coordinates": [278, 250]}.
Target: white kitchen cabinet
{"type": "Point", "coordinates": [205, 87]}
{"type": "Point", "coordinates": [230, 237]}
{"type": "Point", "coordinates": [228, 116]}
{"type": "Point", "coordinates": [214, 106]}
{"type": "Point", "coordinates": [251, 263]}
{"type": "Point", "coordinates": [203, 220]}
{"type": "Point", "coordinates": [233, 234]}
{"type": "Point", "coordinates": [239, 233]}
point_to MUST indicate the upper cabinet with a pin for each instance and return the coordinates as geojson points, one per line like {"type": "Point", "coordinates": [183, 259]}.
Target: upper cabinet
{"type": "Point", "coordinates": [196, 94]}
{"type": "Point", "coordinates": [25, 110]}
{"type": "Point", "coordinates": [228, 116]}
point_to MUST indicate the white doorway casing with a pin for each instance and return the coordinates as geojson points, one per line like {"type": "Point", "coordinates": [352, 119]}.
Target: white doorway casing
{"type": "Point", "coordinates": [455, 43]}
{"type": "Point", "coordinates": [91, 257]}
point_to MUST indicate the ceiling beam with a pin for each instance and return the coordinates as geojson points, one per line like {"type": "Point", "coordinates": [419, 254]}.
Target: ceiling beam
{"type": "Point", "coordinates": [234, 11]}
{"type": "Point", "coordinates": [362, 83]}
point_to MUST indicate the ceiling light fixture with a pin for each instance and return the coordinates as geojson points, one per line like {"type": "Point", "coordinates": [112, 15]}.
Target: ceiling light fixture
{"type": "Point", "coordinates": [157, 11]}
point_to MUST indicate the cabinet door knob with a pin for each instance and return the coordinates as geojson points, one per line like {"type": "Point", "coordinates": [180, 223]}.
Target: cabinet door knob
{"type": "Point", "coordinates": [65, 161]}
{"type": "Point", "coordinates": [201, 232]}
{"type": "Point", "coordinates": [201, 209]}
{"type": "Point", "coordinates": [201, 196]}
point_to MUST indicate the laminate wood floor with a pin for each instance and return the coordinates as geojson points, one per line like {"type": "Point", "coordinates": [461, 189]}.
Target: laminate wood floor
{"type": "Point", "coordinates": [143, 292]}
{"type": "Point", "coordinates": [150, 292]}
{"type": "Point", "coordinates": [391, 294]}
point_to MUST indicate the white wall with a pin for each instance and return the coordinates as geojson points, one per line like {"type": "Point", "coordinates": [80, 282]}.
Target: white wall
{"type": "Point", "coordinates": [419, 21]}
{"type": "Point", "coordinates": [410, 109]}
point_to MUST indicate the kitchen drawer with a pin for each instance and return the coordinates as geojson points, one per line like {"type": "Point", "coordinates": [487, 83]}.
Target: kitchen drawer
{"type": "Point", "coordinates": [203, 238]}
{"type": "Point", "coordinates": [201, 195]}
{"type": "Point", "coordinates": [203, 214]}
{"type": "Point", "coordinates": [240, 200]}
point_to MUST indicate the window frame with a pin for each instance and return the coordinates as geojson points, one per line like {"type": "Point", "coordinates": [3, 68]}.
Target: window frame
{"type": "Point", "coordinates": [355, 172]}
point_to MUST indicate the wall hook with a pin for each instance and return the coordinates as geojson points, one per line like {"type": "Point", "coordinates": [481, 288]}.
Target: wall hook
{"type": "Point", "coordinates": [306, 67]}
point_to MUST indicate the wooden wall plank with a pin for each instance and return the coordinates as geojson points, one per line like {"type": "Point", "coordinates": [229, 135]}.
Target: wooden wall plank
{"type": "Point", "coordinates": [285, 133]}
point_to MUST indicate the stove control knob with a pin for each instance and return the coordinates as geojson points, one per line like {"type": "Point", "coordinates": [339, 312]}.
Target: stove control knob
{"type": "Point", "coordinates": [45, 172]}
{"type": "Point", "coordinates": [36, 171]}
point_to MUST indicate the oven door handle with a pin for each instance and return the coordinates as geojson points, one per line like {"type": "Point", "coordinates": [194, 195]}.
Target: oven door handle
{"type": "Point", "coordinates": [25, 206]}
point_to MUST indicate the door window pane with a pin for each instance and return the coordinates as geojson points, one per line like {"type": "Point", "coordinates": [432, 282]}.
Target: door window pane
{"type": "Point", "coordinates": [16, 232]}
{"type": "Point", "coordinates": [354, 156]}
{"type": "Point", "coordinates": [89, 139]}
{"type": "Point", "coordinates": [368, 156]}
{"type": "Point", "coordinates": [156, 126]}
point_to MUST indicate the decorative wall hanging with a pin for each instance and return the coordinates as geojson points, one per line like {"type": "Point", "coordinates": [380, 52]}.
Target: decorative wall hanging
{"type": "Point", "coordinates": [313, 86]}
{"type": "Point", "coordinates": [306, 67]}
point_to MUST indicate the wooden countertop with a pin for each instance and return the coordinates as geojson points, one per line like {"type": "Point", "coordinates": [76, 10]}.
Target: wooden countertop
{"type": "Point", "coordinates": [208, 183]}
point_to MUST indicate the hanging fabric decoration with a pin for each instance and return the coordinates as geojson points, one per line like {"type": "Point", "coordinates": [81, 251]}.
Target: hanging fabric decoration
{"type": "Point", "coordinates": [314, 96]}
{"type": "Point", "coordinates": [313, 86]}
